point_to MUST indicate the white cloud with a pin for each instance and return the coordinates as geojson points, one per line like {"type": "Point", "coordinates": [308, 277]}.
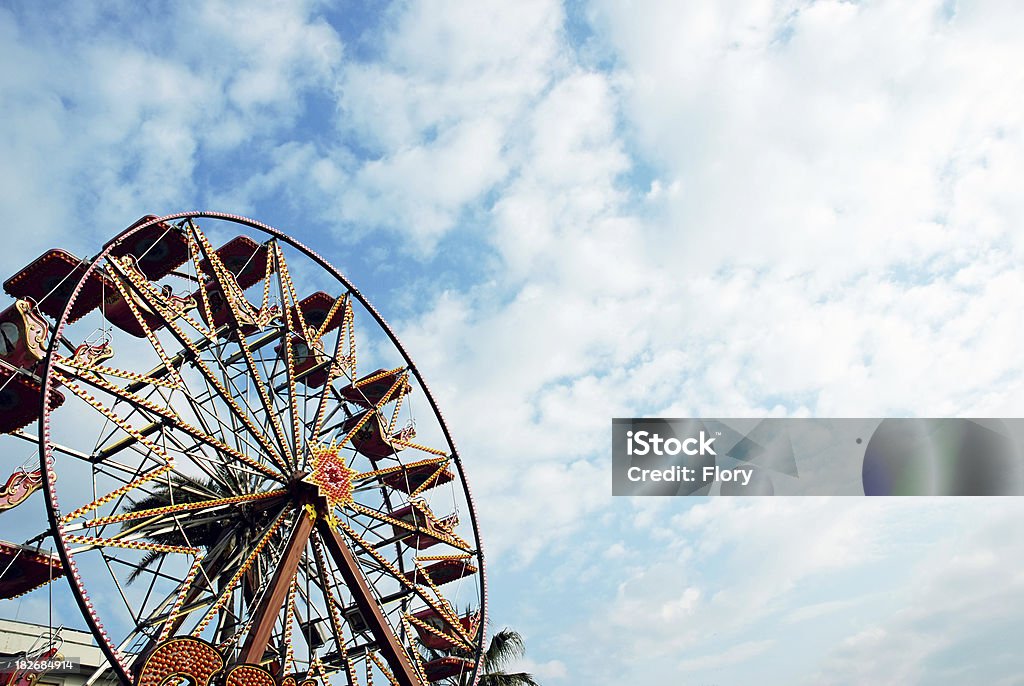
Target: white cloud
{"type": "Point", "coordinates": [737, 653]}
{"type": "Point", "coordinates": [439, 111]}
{"type": "Point", "coordinates": [909, 586]}
{"type": "Point", "coordinates": [839, 128]}
{"type": "Point", "coordinates": [728, 563]}
{"type": "Point", "coordinates": [422, 189]}
{"type": "Point", "coordinates": [813, 611]}
{"type": "Point", "coordinates": [447, 61]}
{"type": "Point", "coordinates": [807, 245]}
{"type": "Point", "coordinates": [541, 671]}
{"type": "Point", "coordinates": [967, 594]}
{"type": "Point", "coordinates": [109, 128]}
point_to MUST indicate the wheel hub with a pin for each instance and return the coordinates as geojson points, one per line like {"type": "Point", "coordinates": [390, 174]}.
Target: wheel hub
{"type": "Point", "coordinates": [331, 477]}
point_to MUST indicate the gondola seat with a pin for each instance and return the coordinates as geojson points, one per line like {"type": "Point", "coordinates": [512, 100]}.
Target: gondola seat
{"type": "Point", "coordinates": [369, 390]}
{"type": "Point", "coordinates": [412, 478]}
{"type": "Point", "coordinates": [49, 281]}
{"type": "Point", "coordinates": [19, 399]}
{"type": "Point", "coordinates": [442, 572]}
{"type": "Point", "coordinates": [447, 667]}
{"type": "Point", "coordinates": [159, 248]}
{"type": "Point", "coordinates": [244, 258]}
{"type": "Point", "coordinates": [26, 569]}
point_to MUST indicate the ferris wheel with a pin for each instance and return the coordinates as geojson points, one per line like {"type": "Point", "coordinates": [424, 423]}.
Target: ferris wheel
{"type": "Point", "coordinates": [236, 448]}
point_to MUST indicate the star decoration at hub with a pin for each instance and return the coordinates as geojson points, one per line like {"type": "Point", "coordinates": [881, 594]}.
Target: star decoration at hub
{"type": "Point", "coordinates": [330, 475]}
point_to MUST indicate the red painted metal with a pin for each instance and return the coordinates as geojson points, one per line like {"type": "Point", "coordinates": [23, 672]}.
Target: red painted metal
{"type": "Point", "coordinates": [270, 607]}
{"type": "Point", "coordinates": [442, 572]}
{"type": "Point", "coordinates": [446, 667]}
{"type": "Point", "coordinates": [158, 248]}
{"type": "Point", "coordinates": [19, 399]}
{"type": "Point", "coordinates": [50, 280]}
{"type": "Point", "coordinates": [369, 394]}
{"type": "Point", "coordinates": [26, 569]}
{"type": "Point", "coordinates": [412, 478]}
{"type": "Point", "coordinates": [244, 258]}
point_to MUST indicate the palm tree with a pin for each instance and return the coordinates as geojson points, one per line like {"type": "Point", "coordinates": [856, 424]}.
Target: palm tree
{"type": "Point", "coordinates": [506, 646]}
{"type": "Point", "coordinates": [233, 530]}
{"type": "Point", "coordinates": [240, 523]}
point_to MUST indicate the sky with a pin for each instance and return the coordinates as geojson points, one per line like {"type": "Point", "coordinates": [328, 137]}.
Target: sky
{"type": "Point", "coordinates": [574, 211]}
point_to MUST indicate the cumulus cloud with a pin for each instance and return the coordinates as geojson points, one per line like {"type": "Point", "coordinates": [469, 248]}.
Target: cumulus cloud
{"type": "Point", "coordinates": [814, 590]}
{"type": "Point", "coordinates": [956, 623]}
{"type": "Point", "coordinates": [103, 130]}
{"type": "Point", "coordinates": [797, 251]}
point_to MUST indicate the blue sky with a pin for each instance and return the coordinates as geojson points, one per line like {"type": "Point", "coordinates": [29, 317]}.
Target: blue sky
{"type": "Point", "coordinates": [576, 211]}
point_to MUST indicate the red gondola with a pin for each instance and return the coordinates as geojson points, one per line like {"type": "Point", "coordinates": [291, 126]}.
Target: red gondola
{"type": "Point", "coordinates": [412, 478]}
{"type": "Point", "coordinates": [442, 572]}
{"type": "Point", "coordinates": [309, 363]}
{"type": "Point", "coordinates": [250, 319]}
{"type": "Point", "coordinates": [430, 530]}
{"type": "Point", "coordinates": [159, 249]}
{"type": "Point", "coordinates": [10, 675]}
{"type": "Point", "coordinates": [310, 360]}
{"type": "Point", "coordinates": [118, 312]}
{"type": "Point", "coordinates": [315, 309]}
{"type": "Point", "coordinates": [19, 399]}
{"type": "Point", "coordinates": [445, 667]}
{"type": "Point", "coordinates": [218, 305]}
{"type": "Point", "coordinates": [433, 618]}
{"type": "Point", "coordinates": [26, 569]}
{"type": "Point", "coordinates": [371, 440]}
{"type": "Point", "coordinates": [49, 281]}
{"type": "Point", "coordinates": [244, 258]}
{"type": "Point", "coordinates": [369, 390]}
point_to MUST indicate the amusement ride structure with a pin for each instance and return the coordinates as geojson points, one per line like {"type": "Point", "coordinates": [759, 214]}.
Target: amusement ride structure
{"type": "Point", "coordinates": [246, 477]}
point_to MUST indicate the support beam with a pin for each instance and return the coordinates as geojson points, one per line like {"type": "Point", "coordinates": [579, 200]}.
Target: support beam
{"type": "Point", "coordinates": [384, 636]}
{"type": "Point", "coordinates": [270, 606]}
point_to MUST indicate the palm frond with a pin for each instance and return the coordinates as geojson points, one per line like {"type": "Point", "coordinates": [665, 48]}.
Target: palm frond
{"type": "Point", "coordinates": [505, 646]}
{"type": "Point", "coordinates": [186, 489]}
{"type": "Point", "coordinates": [145, 563]}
